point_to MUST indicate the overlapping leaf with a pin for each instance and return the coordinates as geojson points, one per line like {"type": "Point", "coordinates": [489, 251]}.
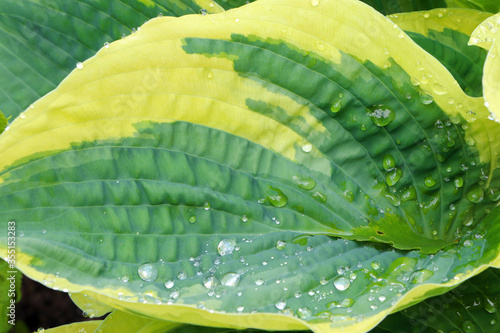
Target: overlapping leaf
{"type": "Point", "coordinates": [199, 171]}
{"type": "Point", "coordinates": [42, 41]}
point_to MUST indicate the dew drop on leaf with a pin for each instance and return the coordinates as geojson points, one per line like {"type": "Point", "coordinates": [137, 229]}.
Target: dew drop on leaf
{"type": "Point", "coordinates": [280, 245]}
{"type": "Point", "coordinates": [169, 284]}
{"type": "Point", "coordinates": [79, 65]}
{"type": "Point", "coordinates": [475, 194]}
{"type": "Point", "coordinates": [181, 275]}
{"type": "Point", "coordinates": [458, 182]}
{"type": "Point", "coordinates": [342, 283]}
{"type": "Point", "coordinates": [306, 148]}
{"type": "Point", "coordinates": [493, 194]}
{"type": "Point", "coordinates": [226, 247]}
{"type": "Point", "coordinates": [276, 197]}
{"type": "Point", "coordinates": [210, 281]}
{"type": "Point", "coordinates": [280, 305]}
{"type": "Point", "coordinates": [381, 115]}
{"type": "Point", "coordinates": [469, 327]}
{"type": "Point", "coordinates": [192, 219]}
{"type": "Point", "coordinates": [421, 276]}
{"type": "Point", "coordinates": [244, 219]}
{"type": "Point", "coordinates": [319, 197]}
{"type": "Point", "coordinates": [337, 106]}
{"type": "Point", "coordinates": [304, 313]}
{"type": "Point", "coordinates": [425, 98]}
{"type": "Point", "coordinates": [305, 182]}
{"type": "Point", "coordinates": [429, 181]}
{"type": "Point", "coordinates": [230, 280]}
{"type": "Point", "coordinates": [393, 176]}
{"type": "Point", "coordinates": [148, 272]}
{"type": "Point", "coordinates": [314, 3]}
{"type": "Point", "coordinates": [259, 282]}
{"type": "Point", "coordinates": [125, 278]}
{"type": "Point", "coordinates": [388, 162]}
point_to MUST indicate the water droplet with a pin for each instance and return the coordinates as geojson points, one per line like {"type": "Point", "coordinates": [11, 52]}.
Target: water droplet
{"type": "Point", "coordinates": [493, 194]}
{"type": "Point", "coordinates": [210, 281]}
{"type": "Point", "coordinates": [429, 181]}
{"type": "Point", "coordinates": [469, 327]}
{"type": "Point", "coordinates": [280, 245]}
{"type": "Point", "coordinates": [280, 305]}
{"type": "Point", "coordinates": [381, 115]}
{"type": "Point", "coordinates": [181, 275]}
{"type": "Point", "coordinates": [421, 276]}
{"type": "Point", "coordinates": [304, 313]}
{"type": "Point", "coordinates": [125, 278]}
{"type": "Point", "coordinates": [79, 65]}
{"type": "Point", "coordinates": [106, 45]}
{"type": "Point", "coordinates": [375, 265]}
{"type": "Point", "coordinates": [297, 294]}
{"type": "Point", "coordinates": [276, 197]}
{"type": "Point", "coordinates": [244, 219]}
{"type": "Point", "coordinates": [342, 283]}
{"type": "Point", "coordinates": [388, 162]}
{"type": "Point", "coordinates": [304, 182]}
{"type": "Point", "coordinates": [439, 89]}
{"type": "Point", "coordinates": [363, 127]}
{"type": "Point", "coordinates": [307, 148]}
{"type": "Point", "coordinates": [148, 272]}
{"type": "Point", "coordinates": [409, 193]}
{"type": "Point", "coordinates": [401, 34]}
{"type": "Point", "coordinates": [240, 308]}
{"type": "Point", "coordinates": [426, 15]}
{"type": "Point", "coordinates": [337, 106]}
{"type": "Point", "coordinates": [320, 46]}
{"type": "Point", "coordinates": [320, 197]}
{"type": "Point", "coordinates": [230, 280]}
{"type": "Point", "coordinates": [203, 12]}
{"type": "Point", "coordinates": [425, 98]}
{"type": "Point", "coordinates": [259, 282]}
{"type": "Point", "coordinates": [468, 243]}
{"type": "Point", "coordinates": [392, 177]}
{"type": "Point", "coordinates": [459, 182]}
{"type": "Point", "coordinates": [323, 281]}
{"type": "Point", "coordinates": [489, 306]}
{"type": "Point", "coordinates": [493, 322]}
{"type": "Point", "coordinates": [314, 3]}
{"type": "Point", "coordinates": [226, 247]}
{"type": "Point", "coordinates": [206, 205]}
{"type": "Point", "coordinates": [169, 284]}
{"type": "Point", "coordinates": [192, 219]}
{"type": "Point", "coordinates": [476, 194]}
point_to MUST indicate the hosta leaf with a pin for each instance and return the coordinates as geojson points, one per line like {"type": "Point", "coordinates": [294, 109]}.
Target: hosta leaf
{"type": "Point", "coordinates": [445, 33]}
{"type": "Point", "coordinates": [471, 307]}
{"type": "Point", "coordinates": [491, 6]}
{"type": "Point", "coordinates": [398, 6]}
{"type": "Point", "coordinates": [42, 41]}
{"type": "Point", "coordinates": [84, 326]}
{"type": "Point", "coordinates": [487, 36]}
{"type": "Point", "coordinates": [119, 321]}
{"type": "Point", "coordinates": [200, 170]}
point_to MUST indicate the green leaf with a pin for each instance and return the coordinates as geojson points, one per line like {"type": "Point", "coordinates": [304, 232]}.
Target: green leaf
{"type": "Point", "coordinates": [42, 41]}
{"type": "Point", "coordinates": [445, 33]}
{"type": "Point", "coordinates": [471, 307]}
{"type": "Point", "coordinates": [84, 326]}
{"type": "Point", "coordinates": [3, 122]}
{"type": "Point", "coordinates": [486, 35]}
{"type": "Point", "coordinates": [201, 171]}
{"type": "Point", "coordinates": [399, 6]}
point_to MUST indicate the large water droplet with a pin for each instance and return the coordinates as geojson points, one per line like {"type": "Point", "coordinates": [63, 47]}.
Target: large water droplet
{"type": "Point", "coordinates": [226, 247]}
{"type": "Point", "coordinates": [79, 65]}
{"type": "Point", "coordinates": [489, 306]}
{"type": "Point", "coordinates": [182, 275]}
{"type": "Point", "coordinates": [304, 182]}
{"type": "Point", "coordinates": [342, 283]}
{"type": "Point", "coordinates": [337, 106]}
{"type": "Point", "coordinates": [230, 280]}
{"type": "Point", "coordinates": [381, 115]}
{"type": "Point", "coordinates": [409, 193]}
{"type": "Point", "coordinates": [469, 327]}
{"type": "Point", "coordinates": [476, 194]}
{"type": "Point", "coordinates": [280, 305]}
{"type": "Point", "coordinates": [276, 197]}
{"type": "Point", "coordinates": [306, 148]}
{"type": "Point", "coordinates": [169, 284]}
{"type": "Point", "coordinates": [304, 312]}
{"type": "Point", "coordinates": [321, 197]}
{"type": "Point", "coordinates": [192, 219]}
{"type": "Point", "coordinates": [425, 98]}
{"type": "Point", "coordinates": [210, 281]}
{"type": "Point", "coordinates": [421, 276]}
{"type": "Point", "coordinates": [280, 245]}
{"type": "Point", "coordinates": [148, 272]}
{"type": "Point", "coordinates": [392, 177]}
{"type": "Point", "coordinates": [429, 181]}
{"type": "Point", "coordinates": [493, 194]}
{"type": "Point", "coordinates": [458, 182]}
{"type": "Point", "coordinates": [388, 162]}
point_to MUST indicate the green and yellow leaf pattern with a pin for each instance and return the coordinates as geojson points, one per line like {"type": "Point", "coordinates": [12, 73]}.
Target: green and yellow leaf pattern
{"type": "Point", "coordinates": [280, 166]}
